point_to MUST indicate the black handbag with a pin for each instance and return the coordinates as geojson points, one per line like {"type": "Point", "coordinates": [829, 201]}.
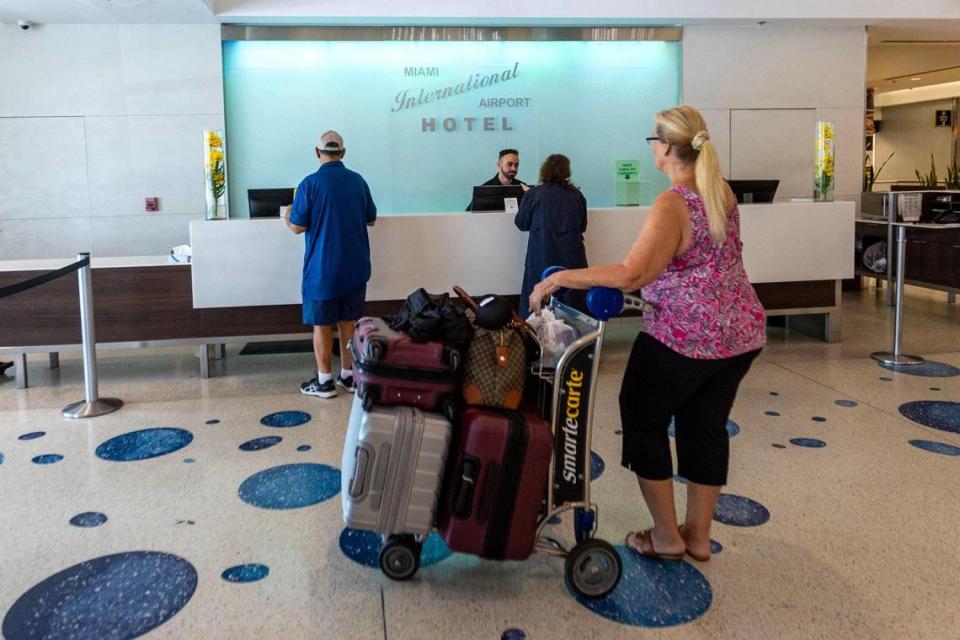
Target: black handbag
{"type": "Point", "coordinates": [433, 316]}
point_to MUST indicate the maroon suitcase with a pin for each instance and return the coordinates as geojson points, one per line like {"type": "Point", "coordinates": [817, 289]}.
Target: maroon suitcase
{"type": "Point", "coordinates": [392, 369]}
{"type": "Point", "coordinates": [496, 483]}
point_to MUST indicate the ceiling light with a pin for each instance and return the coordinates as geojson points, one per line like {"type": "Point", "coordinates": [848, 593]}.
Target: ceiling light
{"type": "Point", "coordinates": [915, 79]}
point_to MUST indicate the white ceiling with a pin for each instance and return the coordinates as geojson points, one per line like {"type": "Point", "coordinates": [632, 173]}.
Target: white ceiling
{"type": "Point", "coordinates": [894, 19]}
{"type": "Point", "coordinates": [891, 32]}
{"type": "Point", "coordinates": [913, 54]}
{"type": "Point", "coordinates": [107, 11]}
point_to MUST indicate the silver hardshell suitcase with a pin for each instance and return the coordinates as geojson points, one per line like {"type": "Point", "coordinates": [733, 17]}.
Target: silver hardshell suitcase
{"type": "Point", "coordinates": [393, 464]}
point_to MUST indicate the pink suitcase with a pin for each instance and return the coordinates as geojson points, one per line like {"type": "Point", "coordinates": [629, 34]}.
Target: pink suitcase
{"type": "Point", "coordinates": [391, 369]}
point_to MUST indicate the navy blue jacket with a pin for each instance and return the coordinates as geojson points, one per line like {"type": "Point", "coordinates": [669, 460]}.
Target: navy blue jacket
{"type": "Point", "coordinates": [556, 218]}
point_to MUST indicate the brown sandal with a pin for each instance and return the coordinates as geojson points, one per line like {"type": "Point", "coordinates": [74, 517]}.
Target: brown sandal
{"type": "Point", "coordinates": [641, 542]}
{"type": "Point", "coordinates": [695, 556]}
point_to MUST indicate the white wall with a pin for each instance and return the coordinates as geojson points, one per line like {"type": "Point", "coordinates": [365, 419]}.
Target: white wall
{"type": "Point", "coordinates": [93, 119]}
{"type": "Point", "coordinates": [767, 85]}
{"type": "Point", "coordinates": [909, 131]}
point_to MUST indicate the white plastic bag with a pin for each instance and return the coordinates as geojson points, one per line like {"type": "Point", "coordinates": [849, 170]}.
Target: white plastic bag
{"type": "Point", "coordinates": [554, 335]}
{"type": "Point", "coordinates": [181, 253]}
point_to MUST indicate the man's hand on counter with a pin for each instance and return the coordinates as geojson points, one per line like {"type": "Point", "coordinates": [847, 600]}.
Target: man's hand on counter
{"type": "Point", "coordinates": [285, 214]}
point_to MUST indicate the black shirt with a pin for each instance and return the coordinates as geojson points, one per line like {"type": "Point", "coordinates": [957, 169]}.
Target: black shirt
{"type": "Point", "coordinates": [492, 182]}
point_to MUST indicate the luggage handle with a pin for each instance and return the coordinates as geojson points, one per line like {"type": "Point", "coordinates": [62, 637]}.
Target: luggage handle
{"type": "Point", "coordinates": [358, 483]}
{"type": "Point", "coordinates": [465, 487]}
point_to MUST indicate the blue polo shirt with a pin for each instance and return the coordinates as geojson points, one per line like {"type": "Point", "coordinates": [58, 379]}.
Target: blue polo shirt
{"type": "Point", "coordinates": [335, 206]}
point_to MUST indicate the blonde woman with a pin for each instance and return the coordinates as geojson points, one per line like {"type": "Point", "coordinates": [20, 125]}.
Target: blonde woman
{"type": "Point", "coordinates": [703, 331]}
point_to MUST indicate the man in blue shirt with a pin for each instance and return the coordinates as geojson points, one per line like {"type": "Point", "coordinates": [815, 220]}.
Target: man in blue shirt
{"type": "Point", "coordinates": [333, 208]}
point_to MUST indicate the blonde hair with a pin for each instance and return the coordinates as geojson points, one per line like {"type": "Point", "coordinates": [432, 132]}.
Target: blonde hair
{"type": "Point", "coordinates": [685, 130]}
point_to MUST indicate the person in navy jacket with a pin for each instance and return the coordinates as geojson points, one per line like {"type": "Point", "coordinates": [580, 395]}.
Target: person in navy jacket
{"type": "Point", "coordinates": [555, 214]}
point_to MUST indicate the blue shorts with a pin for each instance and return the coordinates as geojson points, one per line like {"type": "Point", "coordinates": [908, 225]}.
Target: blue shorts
{"type": "Point", "coordinates": [330, 312]}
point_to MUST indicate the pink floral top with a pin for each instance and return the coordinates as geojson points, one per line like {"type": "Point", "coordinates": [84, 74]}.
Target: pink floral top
{"type": "Point", "coordinates": [702, 306]}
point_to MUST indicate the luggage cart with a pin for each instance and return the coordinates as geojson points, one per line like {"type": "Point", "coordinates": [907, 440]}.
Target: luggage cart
{"type": "Point", "coordinates": [566, 394]}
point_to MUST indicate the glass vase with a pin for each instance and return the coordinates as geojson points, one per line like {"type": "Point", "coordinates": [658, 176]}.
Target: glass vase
{"type": "Point", "coordinates": [824, 167]}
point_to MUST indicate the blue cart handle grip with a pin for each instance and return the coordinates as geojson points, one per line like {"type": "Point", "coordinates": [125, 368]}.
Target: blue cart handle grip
{"type": "Point", "coordinates": [604, 303]}
{"type": "Point", "coordinates": [549, 271]}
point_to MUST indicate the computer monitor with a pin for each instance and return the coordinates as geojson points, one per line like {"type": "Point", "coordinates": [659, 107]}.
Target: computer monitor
{"type": "Point", "coordinates": [266, 203]}
{"type": "Point", "coordinates": [750, 191]}
{"type": "Point", "coordinates": [491, 197]}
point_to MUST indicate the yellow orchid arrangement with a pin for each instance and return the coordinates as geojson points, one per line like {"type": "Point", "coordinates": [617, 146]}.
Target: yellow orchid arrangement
{"type": "Point", "coordinates": [216, 174]}
{"type": "Point", "coordinates": [824, 165]}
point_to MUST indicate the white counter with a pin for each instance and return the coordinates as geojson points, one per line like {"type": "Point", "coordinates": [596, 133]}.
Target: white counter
{"type": "Point", "coordinates": [48, 264]}
{"type": "Point", "coordinates": [258, 262]}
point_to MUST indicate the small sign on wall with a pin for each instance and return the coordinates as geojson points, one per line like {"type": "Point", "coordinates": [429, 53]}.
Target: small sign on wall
{"type": "Point", "coordinates": [944, 118]}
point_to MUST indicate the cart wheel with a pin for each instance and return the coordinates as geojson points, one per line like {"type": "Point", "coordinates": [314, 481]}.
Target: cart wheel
{"type": "Point", "coordinates": [452, 358]}
{"type": "Point", "coordinates": [448, 406]}
{"type": "Point", "coordinates": [375, 351]}
{"type": "Point", "coordinates": [370, 396]}
{"type": "Point", "coordinates": [593, 569]}
{"type": "Point", "coordinates": [400, 558]}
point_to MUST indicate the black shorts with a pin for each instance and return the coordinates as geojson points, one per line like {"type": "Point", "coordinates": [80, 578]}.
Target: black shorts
{"type": "Point", "coordinates": [661, 384]}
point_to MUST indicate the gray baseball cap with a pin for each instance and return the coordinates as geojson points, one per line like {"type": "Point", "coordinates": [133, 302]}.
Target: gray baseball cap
{"type": "Point", "coordinates": [331, 141]}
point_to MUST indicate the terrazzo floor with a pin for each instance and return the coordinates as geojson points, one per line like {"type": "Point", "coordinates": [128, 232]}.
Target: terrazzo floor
{"type": "Point", "coordinates": [198, 512]}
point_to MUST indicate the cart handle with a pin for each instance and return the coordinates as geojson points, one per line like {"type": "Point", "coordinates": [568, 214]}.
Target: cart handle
{"type": "Point", "coordinates": [549, 271]}
{"type": "Point", "coordinates": [603, 303]}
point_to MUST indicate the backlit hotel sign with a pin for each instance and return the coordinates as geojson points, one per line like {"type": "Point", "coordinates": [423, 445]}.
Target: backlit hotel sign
{"type": "Point", "coordinates": [408, 99]}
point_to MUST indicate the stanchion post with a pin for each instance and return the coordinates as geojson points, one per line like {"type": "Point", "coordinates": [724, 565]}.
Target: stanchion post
{"type": "Point", "coordinates": [92, 406]}
{"type": "Point", "coordinates": [896, 357]}
{"type": "Point", "coordinates": [890, 209]}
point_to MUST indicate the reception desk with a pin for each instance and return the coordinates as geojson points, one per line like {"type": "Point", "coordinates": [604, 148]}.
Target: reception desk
{"type": "Point", "coordinates": [240, 263]}
{"type": "Point", "coordinates": [244, 282]}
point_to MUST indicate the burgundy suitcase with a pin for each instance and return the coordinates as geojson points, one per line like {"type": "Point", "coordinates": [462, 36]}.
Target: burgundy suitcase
{"type": "Point", "coordinates": [496, 482]}
{"type": "Point", "coordinates": [392, 369]}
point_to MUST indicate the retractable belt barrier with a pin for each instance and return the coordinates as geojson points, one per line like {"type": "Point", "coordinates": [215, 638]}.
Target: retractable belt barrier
{"type": "Point", "coordinates": [93, 405]}
{"type": "Point", "coordinates": [26, 285]}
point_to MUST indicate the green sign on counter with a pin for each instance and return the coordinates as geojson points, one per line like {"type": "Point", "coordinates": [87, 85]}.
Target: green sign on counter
{"type": "Point", "coordinates": [628, 182]}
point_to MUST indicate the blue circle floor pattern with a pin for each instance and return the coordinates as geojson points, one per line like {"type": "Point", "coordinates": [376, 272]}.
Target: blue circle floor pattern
{"type": "Point", "coordinates": [88, 519]}
{"type": "Point", "coordinates": [936, 447]}
{"type": "Point", "coordinates": [304, 447]}
{"type": "Point", "coordinates": [846, 403]}
{"type": "Point", "coordinates": [291, 486]}
{"type": "Point", "coordinates": [936, 414]}
{"type": "Point", "coordinates": [363, 547]}
{"type": "Point", "coordinates": [733, 429]}
{"type": "Point", "coordinates": [597, 466]}
{"type": "Point", "coordinates": [739, 511]}
{"type": "Point", "coordinates": [32, 435]}
{"type": "Point", "coordinates": [1, 458]}
{"type": "Point", "coordinates": [258, 444]}
{"type": "Point", "coordinates": [119, 596]}
{"type": "Point", "coordinates": [654, 593]}
{"type": "Point", "coordinates": [513, 634]}
{"type": "Point", "coordinates": [929, 369]}
{"type": "Point", "coordinates": [809, 443]}
{"type": "Point", "coordinates": [246, 573]}
{"type": "Point", "coordinates": [285, 419]}
{"type": "Point", "coordinates": [144, 444]}
{"type": "Point", "coordinates": [47, 458]}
